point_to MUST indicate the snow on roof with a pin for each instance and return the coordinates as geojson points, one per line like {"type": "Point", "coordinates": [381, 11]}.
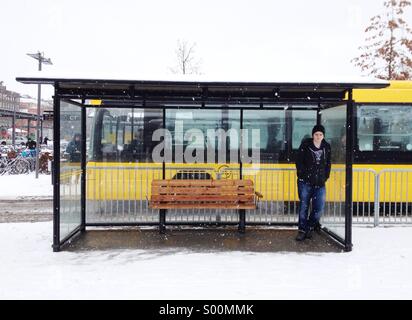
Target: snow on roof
{"type": "Point", "coordinates": [247, 78]}
{"type": "Point", "coordinates": [28, 100]}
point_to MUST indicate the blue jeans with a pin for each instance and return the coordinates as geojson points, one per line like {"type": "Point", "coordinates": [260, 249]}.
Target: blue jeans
{"type": "Point", "coordinates": [307, 192]}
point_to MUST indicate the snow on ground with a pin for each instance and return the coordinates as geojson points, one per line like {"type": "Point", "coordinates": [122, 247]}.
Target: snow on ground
{"type": "Point", "coordinates": [379, 267]}
{"type": "Point", "coordinates": [25, 185]}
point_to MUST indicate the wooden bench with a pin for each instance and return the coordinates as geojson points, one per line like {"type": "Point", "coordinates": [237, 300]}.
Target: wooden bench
{"type": "Point", "coordinates": [203, 194]}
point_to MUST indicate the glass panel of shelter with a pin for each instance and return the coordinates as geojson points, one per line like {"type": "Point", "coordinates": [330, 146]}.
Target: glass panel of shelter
{"type": "Point", "coordinates": [204, 145]}
{"type": "Point", "coordinates": [333, 118]}
{"type": "Point", "coordinates": [120, 168]}
{"type": "Point", "coordinates": [123, 139]}
{"type": "Point", "coordinates": [70, 168]}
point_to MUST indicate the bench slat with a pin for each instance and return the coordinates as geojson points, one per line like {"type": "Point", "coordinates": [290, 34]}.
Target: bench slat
{"type": "Point", "coordinates": [202, 206]}
{"type": "Point", "coordinates": [193, 194]}
{"type": "Point", "coordinates": [210, 191]}
{"type": "Point", "coordinates": [207, 182]}
{"type": "Point", "coordinates": [196, 198]}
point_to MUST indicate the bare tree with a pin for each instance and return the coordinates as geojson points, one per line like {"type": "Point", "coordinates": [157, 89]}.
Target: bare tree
{"type": "Point", "coordinates": [186, 60]}
{"type": "Point", "coordinates": [387, 53]}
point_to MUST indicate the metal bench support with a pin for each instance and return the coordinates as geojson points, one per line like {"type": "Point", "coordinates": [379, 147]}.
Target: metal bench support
{"type": "Point", "coordinates": [242, 221]}
{"type": "Point", "coordinates": [162, 220]}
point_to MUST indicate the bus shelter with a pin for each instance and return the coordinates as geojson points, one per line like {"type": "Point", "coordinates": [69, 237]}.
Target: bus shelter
{"type": "Point", "coordinates": [108, 150]}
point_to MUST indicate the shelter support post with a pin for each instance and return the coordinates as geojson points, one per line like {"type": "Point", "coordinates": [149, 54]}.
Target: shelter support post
{"type": "Point", "coordinates": [83, 168]}
{"type": "Point", "coordinates": [162, 212]}
{"type": "Point", "coordinates": [350, 127]}
{"type": "Point", "coordinates": [56, 172]}
{"type": "Point", "coordinates": [242, 212]}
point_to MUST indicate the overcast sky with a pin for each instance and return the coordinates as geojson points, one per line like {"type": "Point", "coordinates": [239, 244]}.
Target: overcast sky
{"type": "Point", "coordinates": [134, 39]}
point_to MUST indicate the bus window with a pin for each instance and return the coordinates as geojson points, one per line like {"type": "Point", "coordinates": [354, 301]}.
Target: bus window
{"type": "Point", "coordinates": [180, 122]}
{"type": "Point", "coordinates": [108, 141]}
{"type": "Point", "coordinates": [137, 132]}
{"type": "Point", "coordinates": [302, 124]}
{"type": "Point", "coordinates": [334, 121]}
{"type": "Point", "coordinates": [384, 128]}
{"type": "Point", "coordinates": [125, 134]}
{"type": "Point", "coordinates": [271, 125]}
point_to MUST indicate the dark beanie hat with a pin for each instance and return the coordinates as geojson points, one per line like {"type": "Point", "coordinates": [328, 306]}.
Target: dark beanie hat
{"type": "Point", "coordinates": [317, 128]}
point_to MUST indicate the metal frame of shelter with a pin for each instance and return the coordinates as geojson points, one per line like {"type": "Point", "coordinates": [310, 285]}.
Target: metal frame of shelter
{"type": "Point", "coordinates": [231, 95]}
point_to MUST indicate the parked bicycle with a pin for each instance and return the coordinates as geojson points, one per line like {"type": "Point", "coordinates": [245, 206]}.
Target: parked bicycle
{"type": "Point", "coordinates": [21, 161]}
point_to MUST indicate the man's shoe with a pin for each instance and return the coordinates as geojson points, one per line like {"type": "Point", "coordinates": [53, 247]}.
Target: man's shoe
{"type": "Point", "coordinates": [309, 234]}
{"type": "Point", "coordinates": [318, 228]}
{"type": "Point", "coordinates": [301, 236]}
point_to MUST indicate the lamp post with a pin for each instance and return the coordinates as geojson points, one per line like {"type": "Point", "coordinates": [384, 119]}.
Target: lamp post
{"type": "Point", "coordinates": [39, 56]}
{"type": "Point", "coordinates": [13, 135]}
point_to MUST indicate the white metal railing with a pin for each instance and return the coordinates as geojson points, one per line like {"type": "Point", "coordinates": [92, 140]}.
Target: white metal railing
{"type": "Point", "coordinates": [120, 194]}
{"type": "Point", "coordinates": [394, 187]}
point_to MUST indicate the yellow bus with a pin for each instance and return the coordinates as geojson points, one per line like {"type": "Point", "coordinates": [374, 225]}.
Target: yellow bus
{"type": "Point", "coordinates": [120, 165]}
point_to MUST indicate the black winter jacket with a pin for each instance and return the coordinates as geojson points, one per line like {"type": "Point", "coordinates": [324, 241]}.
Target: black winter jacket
{"type": "Point", "coordinates": [311, 170]}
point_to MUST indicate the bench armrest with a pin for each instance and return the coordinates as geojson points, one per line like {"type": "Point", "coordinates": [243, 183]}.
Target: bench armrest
{"type": "Point", "coordinates": [258, 194]}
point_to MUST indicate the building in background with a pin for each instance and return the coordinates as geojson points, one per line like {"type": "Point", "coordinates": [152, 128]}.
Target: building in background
{"type": "Point", "coordinates": [23, 109]}
{"type": "Point", "coordinates": [9, 103]}
{"type": "Point", "coordinates": [29, 105]}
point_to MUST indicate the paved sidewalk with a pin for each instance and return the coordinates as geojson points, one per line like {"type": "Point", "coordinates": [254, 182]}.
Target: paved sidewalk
{"type": "Point", "coordinates": [202, 240]}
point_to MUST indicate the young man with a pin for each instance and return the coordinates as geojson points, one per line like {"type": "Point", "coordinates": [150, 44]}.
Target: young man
{"type": "Point", "coordinates": [313, 166]}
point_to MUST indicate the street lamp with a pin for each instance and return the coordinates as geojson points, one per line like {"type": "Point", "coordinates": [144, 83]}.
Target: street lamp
{"type": "Point", "coordinates": [14, 98]}
{"type": "Point", "coordinates": [39, 56]}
